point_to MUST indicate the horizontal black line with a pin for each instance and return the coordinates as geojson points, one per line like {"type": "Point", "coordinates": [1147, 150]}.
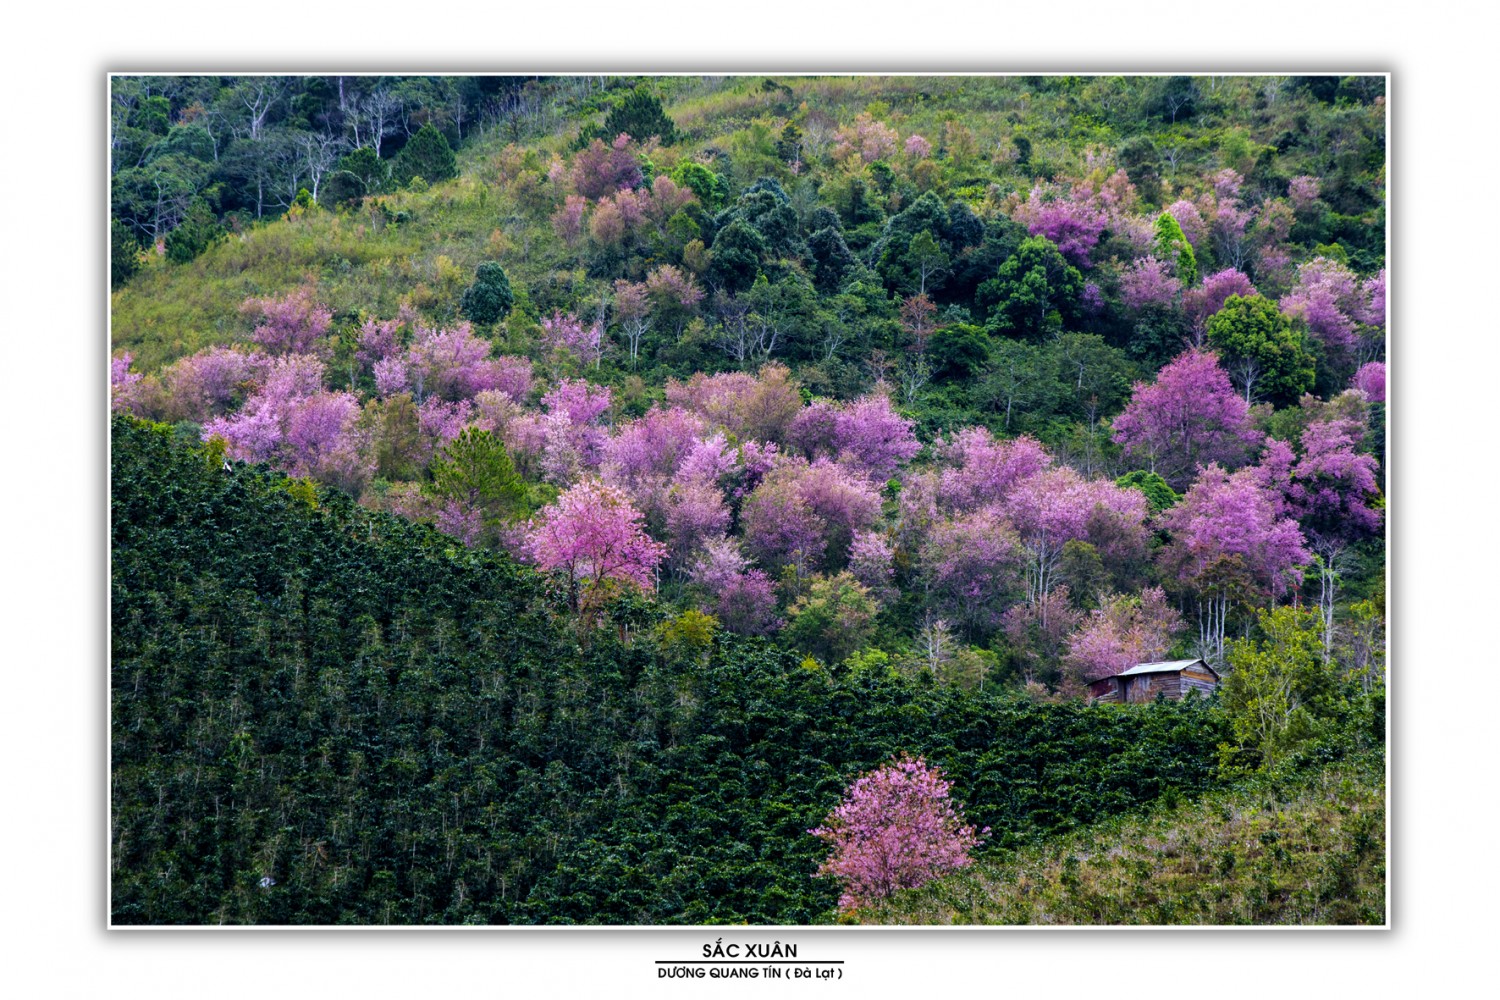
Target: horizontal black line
{"type": "Point", "coordinates": [747, 961]}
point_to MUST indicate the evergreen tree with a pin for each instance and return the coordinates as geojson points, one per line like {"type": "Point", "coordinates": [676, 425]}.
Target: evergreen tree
{"type": "Point", "coordinates": [1173, 247]}
{"type": "Point", "coordinates": [490, 297]}
{"type": "Point", "coordinates": [198, 231]}
{"type": "Point", "coordinates": [123, 249]}
{"type": "Point", "coordinates": [639, 115]}
{"type": "Point", "coordinates": [428, 156]}
{"type": "Point", "coordinates": [1265, 351]}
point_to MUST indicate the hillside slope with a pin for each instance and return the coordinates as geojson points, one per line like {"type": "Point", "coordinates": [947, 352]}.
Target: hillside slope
{"type": "Point", "coordinates": [1310, 853]}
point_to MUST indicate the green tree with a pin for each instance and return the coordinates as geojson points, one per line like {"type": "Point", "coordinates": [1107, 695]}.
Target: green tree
{"type": "Point", "coordinates": [639, 115]}
{"type": "Point", "coordinates": [734, 259]}
{"type": "Point", "coordinates": [926, 260]}
{"type": "Point", "coordinates": [490, 297]}
{"type": "Point", "coordinates": [357, 174]}
{"type": "Point", "coordinates": [1035, 292]}
{"type": "Point", "coordinates": [1019, 381]}
{"type": "Point", "coordinates": [1172, 246]}
{"type": "Point", "coordinates": [1159, 493]}
{"type": "Point", "coordinates": [198, 231]}
{"type": "Point", "coordinates": [123, 251]}
{"type": "Point", "coordinates": [1265, 351]}
{"type": "Point", "coordinates": [475, 469]}
{"type": "Point", "coordinates": [1275, 684]}
{"type": "Point", "coordinates": [833, 619]}
{"type": "Point", "coordinates": [711, 188]}
{"type": "Point", "coordinates": [426, 155]}
{"type": "Point", "coordinates": [958, 351]}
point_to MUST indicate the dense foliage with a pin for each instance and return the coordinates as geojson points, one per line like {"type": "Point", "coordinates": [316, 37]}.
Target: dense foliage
{"type": "Point", "coordinates": [393, 729]}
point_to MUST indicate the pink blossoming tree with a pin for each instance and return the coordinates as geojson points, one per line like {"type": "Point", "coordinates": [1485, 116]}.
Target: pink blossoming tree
{"type": "Point", "coordinates": [896, 828]}
{"type": "Point", "coordinates": [1190, 416]}
{"type": "Point", "coordinates": [591, 535]}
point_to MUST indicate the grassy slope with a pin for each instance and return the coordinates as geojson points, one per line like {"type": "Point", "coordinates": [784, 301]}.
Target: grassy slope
{"type": "Point", "coordinates": [1309, 854]}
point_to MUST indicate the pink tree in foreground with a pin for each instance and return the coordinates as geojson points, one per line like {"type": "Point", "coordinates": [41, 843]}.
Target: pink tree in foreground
{"type": "Point", "coordinates": [1190, 416]}
{"type": "Point", "coordinates": [897, 828]}
{"type": "Point", "coordinates": [592, 534]}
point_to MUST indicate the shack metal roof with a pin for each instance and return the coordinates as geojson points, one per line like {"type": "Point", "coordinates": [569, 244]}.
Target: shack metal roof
{"type": "Point", "coordinates": [1164, 667]}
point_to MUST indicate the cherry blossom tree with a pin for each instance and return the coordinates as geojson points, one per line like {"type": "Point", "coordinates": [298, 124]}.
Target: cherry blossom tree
{"type": "Point", "coordinates": [744, 599]}
{"type": "Point", "coordinates": [1327, 297]}
{"type": "Point", "coordinates": [872, 562]}
{"type": "Point", "coordinates": [633, 314]}
{"type": "Point", "coordinates": [1071, 219]}
{"type": "Point", "coordinates": [1123, 632]}
{"type": "Point", "coordinates": [983, 470]}
{"type": "Point", "coordinates": [599, 170]}
{"type": "Point", "coordinates": [210, 382]}
{"type": "Point", "coordinates": [568, 334]}
{"type": "Point", "coordinates": [1057, 506]}
{"type": "Point", "coordinates": [896, 828]}
{"type": "Point", "coordinates": [290, 324]}
{"type": "Point", "coordinates": [1370, 380]}
{"type": "Point", "coordinates": [759, 407]}
{"type": "Point", "coordinates": [123, 382]}
{"type": "Point", "coordinates": [1190, 416]}
{"type": "Point", "coordinates": [1203, 301]}
{"type": "Point", "coordinates": [972, 567]}
{"type": "Point", "coordinates": [1231, 540]}
{"type": "Point", "coordinates": [592, 534]}
{"type": "Point", "coordinates": [1149, 282]}
{"type": "Point", "coordinates": [874, 441]}
{"type": "Point", "coordinates": [696, 514]}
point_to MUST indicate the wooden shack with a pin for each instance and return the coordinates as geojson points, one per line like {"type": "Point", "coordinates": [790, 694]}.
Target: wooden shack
{"type": "Point", "coordinates": [1172, 679]}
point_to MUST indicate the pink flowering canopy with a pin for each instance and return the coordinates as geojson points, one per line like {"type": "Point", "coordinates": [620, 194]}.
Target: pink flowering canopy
{"type": "Point", "coordinates": [592, 534]}
{"type": "Point", "coordinates": [1370, 380]}
{"type": "Point", "coordinates": [1333, 489]}
{"type": "Point", "coordinates": [1234, 515]}
{"type": "Point", "coordinates": [1124, 632]}
{"type": "Point", "coordinates": [743, 599]}
{"type": "Point", "coordinates": [291, 323]}
{"type": "Point", "coordinates": [1072, 220]}
{"type": "Point", "coordinates": [984, 470]}
{"type": "Point", "coordinates": [1190, 416]}
{"type": "Point", "coordinates": [1149, 282]}
{"type": "Point", "coordinates": [123, 382]}
{"type": "Point", "coordinates": [1327, 297]}
{"type": "Point", "coordinates": [896, 828]}
{"type": "Point", "coordinates": [874, 441]}
{"type": "Point", "coordinates": [1205, 300]}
